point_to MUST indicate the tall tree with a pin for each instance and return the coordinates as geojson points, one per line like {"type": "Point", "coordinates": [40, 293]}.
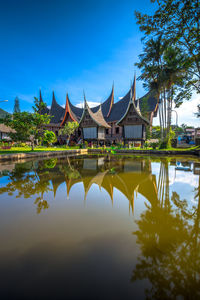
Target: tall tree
{"type": "Point", "coordinates": [16, 106]}
{"type": "Point", "coordinates": [27, 126]}
{"type": "Point", "coordinates": [163, 70]}
{"type": "Point", "coordinates": [178, 21]}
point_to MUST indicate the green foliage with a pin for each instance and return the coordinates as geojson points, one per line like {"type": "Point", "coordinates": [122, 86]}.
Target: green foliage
{"type": "Point", "coordinates": [156, 132]}
{"type": "Point", "coordinates": [144, 107]}
{"type": "Point", "coordinates": [50, 163]}
{"type": "Point", "coordinates": [27, 126]}
{"type": "Point", "coordinates": [198, 111]}
{"type": "Point", "coordinates": [3, 114]}
{"type": "Point", "coordinates": [39, 106]}
{"type": "Point", "coordinates": [49, 137]}
{"type": "Point", "coordinates": [22, 123]}
{"type": "Point", "coordinates": [68, 129]}
{"type": "Point", "coordinates": [170, 62]}
{"type": "Point", "coordinates": [154, 145]}
{"type": "Point", "coordinates": [177, 23]}
{"type": "Point", "coordinates": [166, 143]}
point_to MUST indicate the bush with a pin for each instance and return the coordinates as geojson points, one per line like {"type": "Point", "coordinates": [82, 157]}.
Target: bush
{"type": "Point", "coordinates": [163, 144]}
{"type": "Point", "coordinates": [49, 137]}
{"type": "Point", "coordinates": [154, 145]}
{"type": "Point", "coordinates": [86, 144]}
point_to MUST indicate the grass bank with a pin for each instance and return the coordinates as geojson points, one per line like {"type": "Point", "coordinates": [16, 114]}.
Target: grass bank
{"type": "Point", "coordinates": [15, 150]}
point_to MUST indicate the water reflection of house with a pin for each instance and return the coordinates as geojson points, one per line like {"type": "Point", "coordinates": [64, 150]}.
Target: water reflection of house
{"type": "Point", "coordinates": [128, 177]}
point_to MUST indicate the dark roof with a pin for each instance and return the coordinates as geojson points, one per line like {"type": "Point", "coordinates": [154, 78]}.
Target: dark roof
{"type": "Point", "coordinates": [106, 105]}
{"type": "Point", "coordinates": [44, 110]}
{"type": "Point", "coordinates": [56, 111]}
{"type": "Point", "coordinates": [132, 102]}
{"type": "Point", "coordinates": [151, 100]}
{"type": "Point", "coordinates": [77, 111]}
{"type": "Point", "coordinates": [97, 117]}
{"type": "Point", "coordinates": [68, 111]}
{"type": "Point", "coordinates": [111, 111]}
{"type": "Point", "coordinates": [119, 108]}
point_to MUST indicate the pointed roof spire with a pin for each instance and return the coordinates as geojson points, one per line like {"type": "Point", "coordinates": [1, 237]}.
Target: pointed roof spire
{"type": "Point", "coordinates": [68, 111]}
{"type": "Point", "coordinates": [41, 100]}
{"type": "Point", "coordinates": [53, 97]}
{"type": "Point", "coordinates": [111, 100]}
{"type": "Point", "coordinates": [85, 102]}
{"type": "Point", "coordinates": [134, 88]}
{"type": "Point", "coordinates": [131, 93]}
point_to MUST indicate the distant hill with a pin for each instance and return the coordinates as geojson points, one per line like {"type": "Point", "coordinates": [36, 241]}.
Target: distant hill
{"type": "Point", "coordinates": [3, 113]}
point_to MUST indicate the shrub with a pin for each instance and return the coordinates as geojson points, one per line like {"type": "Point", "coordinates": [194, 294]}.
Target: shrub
{"type": "Point", "coordinates": [49, 137]}
{"type": "Point", "coordinates": [163, 144]}
{"type": "Point", "coordinates": [154, 145]}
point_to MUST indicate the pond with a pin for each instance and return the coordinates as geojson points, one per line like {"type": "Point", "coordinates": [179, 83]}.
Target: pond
{"type": "Point", "coordinates": [100, 227]}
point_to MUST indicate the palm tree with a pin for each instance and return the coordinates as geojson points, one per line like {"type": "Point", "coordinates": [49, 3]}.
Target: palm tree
{"type": "Point", "coordinates": [152, 72]}
{"type": "Point", "coordinates": [174, 75]}
{"type": "Point", "coordinates": [163, 69]}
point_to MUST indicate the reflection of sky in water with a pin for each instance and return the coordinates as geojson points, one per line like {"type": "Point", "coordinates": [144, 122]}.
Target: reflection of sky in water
{"type": "Point", "coordinates": [182, 182]}
{"type": "Point", "coordinates": [80, 245]}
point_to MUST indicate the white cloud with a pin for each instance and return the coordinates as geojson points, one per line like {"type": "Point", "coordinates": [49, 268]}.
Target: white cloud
{"type": "Point", "coordinates": [26, 97]}
{"type": "Point", "coordinates": [90, 103]}
{"type": "Point", "coordinates": [186, 113]}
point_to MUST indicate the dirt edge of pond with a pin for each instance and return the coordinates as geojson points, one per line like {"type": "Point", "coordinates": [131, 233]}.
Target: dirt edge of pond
{"type": "Point", "coordinates": [47, 154]}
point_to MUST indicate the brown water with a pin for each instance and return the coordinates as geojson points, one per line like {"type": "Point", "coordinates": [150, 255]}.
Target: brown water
{"type": "Point", "coordinates": [100, 228]}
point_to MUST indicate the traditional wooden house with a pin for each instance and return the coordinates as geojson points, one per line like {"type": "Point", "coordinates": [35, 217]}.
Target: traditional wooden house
{"type": "Point", "coordinates": [93, 124]}
{"type": "Point", "coordinates": [132, 122]}
{"type": "Point", "coordinates": [109, 117]}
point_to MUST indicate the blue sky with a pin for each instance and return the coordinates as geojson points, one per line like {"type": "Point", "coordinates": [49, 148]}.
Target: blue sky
{"type": "Point", "coordinates": [68, 46]}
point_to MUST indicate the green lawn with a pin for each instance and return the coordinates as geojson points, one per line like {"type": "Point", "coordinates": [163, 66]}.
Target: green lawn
{"type": "Point", "coordinates": [63, 148]}
{"type": "Point", "coordinates": [37, 149]}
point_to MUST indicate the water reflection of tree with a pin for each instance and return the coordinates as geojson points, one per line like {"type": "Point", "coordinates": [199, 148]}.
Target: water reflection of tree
{"type": "Point", "coordinates": [29, 180]}
{"type": "Point", "coordinates": [34, 179]}
{"type": "Point", "coordinates": [169, 238]}
{"type": "Point", "coordinates": [69, 171]}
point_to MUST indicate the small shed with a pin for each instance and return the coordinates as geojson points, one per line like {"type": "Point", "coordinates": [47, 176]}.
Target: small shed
{"type": "Point", "coordinates": [4, 132]}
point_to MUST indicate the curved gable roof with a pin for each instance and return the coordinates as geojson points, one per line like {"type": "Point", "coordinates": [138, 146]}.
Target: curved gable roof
{"type": "Point", "coordinates": [56, 111]}
{"type": "Point", "coordinates": [106, 106]}
{"type": "Point", "coordinates": [97, 117]}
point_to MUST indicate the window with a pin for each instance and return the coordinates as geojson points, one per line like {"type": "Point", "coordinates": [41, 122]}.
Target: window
{"type": "Point", "coordinates": [90, 133]}
{"type": "Point", "coordinates": [107, 131]}
{"type": "Point", "coordinates": [117, 130]}
{"type": "Point", "coordinates": [133, 131]}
